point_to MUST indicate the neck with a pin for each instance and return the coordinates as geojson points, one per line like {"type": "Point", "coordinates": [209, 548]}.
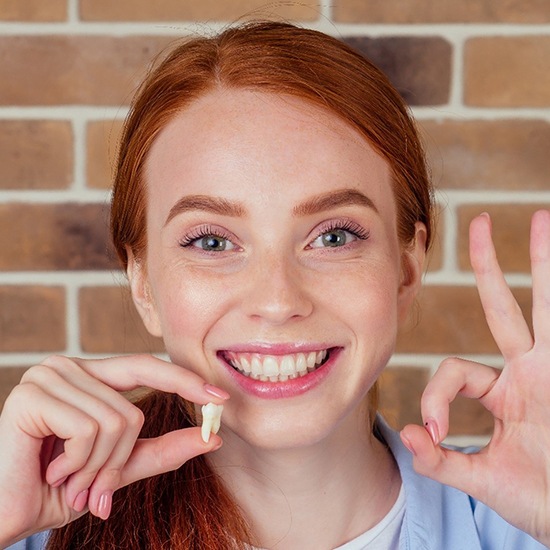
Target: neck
{"type": "Point", "coordinates": [314, 496]}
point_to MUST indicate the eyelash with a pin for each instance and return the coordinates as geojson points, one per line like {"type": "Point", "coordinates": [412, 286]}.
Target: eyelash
{"type": "Point", "coordinates": [346, 225]}
{"type": "Point", "coordinates": [204, 231]}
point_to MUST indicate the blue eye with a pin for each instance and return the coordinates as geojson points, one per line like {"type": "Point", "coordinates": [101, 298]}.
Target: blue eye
{"type": "Point", "coordinates": [212, 243]}
{"type": "Point", "coordinates": [208, 239]}
{"type": "Point", "coordinates": [333, 238]}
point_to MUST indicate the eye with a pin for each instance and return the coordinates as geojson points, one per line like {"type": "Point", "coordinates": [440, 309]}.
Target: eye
{"type": "Point", "coordinates": [338, 235]}
{"type": "Point", "coordinates": [213, 243]}
{"type": "Point", "coordinates": [208, 239]}
{"type": "Point", "coordinates": [333, 238]}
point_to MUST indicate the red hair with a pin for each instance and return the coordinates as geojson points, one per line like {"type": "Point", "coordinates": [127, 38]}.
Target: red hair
{"type": "Point", "coordinates": [190, 508]}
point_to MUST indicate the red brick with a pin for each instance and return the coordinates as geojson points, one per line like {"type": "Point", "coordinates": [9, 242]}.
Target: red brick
{"type": "Point", "coordinates": [400, 392]}
{"type": "Point", "coordinates": [511, 223]}
{"type": "Point", "coordinates": [420, 11]}
{"type": "Point", "coordinates": [109, 323]}
{"type": "Point", "coordinates": [68, 236]}
{"type": "Point", "coordinates": [176, 10]}
{"type": "Point", "coordinates": [102, 141]}
{"type": "Point", "coordinates": [9, 378]}
{"type": "Point", "coordinates": [59, 70]}
{"type": "Point", "coordinates": [469, 417]}
{"type": "Point", "coordinates": [35, 154]}
{"type": "Point", "coordinates": [449, 320]}
{"type": "Point", "coordinates": [419, 67]}
{"type": "Point", "coordinates": [434, 259]}
{"type": "Point", "coordinates": [488, 154]}
{"type": "Point", "coordinates": [32, 319]}
{"type": "Point", "coordinates": [507, 71]}
{"type": "Point", "coordinates": [33, 10]}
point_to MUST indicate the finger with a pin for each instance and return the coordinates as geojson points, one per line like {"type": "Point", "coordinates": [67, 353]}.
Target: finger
{"type": "Point", "coordinates": [460, 470]}
{"type": "Point", "coordinates": [104, 412]}
{"type": "Point", "coordinates": [502, 312]}
{"type": "Point", "coordinates": [130, 372]}
{"type": "Point", "coordinates": [46, 416]}
{"type": "Point", "coordinates": [166, 453]}
{"type": "Point", "coordinates": [108, 477]}
{"type": "Point", "coordinates": [455, 377]}
{"type": "Point", "coordinates": [540, 266]}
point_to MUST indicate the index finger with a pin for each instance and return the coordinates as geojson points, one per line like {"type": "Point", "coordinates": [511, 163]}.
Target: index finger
{"type": "Point", "coordinates": [502, 312]}
{"type": "Point", "coordinates": [129, 372]}
{"type": "Point", "coordinates": [540, 267]}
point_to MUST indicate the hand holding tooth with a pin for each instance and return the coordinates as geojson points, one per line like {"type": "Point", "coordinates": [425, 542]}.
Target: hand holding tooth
{"type": "Point", "coordinates": [211, 420]}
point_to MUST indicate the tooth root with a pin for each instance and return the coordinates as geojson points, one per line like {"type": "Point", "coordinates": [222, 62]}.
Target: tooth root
{"type": "Point", "coordinates": [216, 424]}
{"type": "Point", "coordinates": [211, 420]}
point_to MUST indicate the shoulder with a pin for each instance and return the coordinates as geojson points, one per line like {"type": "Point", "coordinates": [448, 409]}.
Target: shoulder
{"type": "Point", "coordinates": [438, 516]}
{"type": "Point", "coordinates": [35, 542]}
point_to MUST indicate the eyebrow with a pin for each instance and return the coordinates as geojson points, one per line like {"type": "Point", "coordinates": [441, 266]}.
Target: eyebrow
{"type": "Point", "coordinates": [333, 199]}
{"type": "Point", "coordinates": [216, 205]}
{"type": "Point", "coordinates": [319, 203]}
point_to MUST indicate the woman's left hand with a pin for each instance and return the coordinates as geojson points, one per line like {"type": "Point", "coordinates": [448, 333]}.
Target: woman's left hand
{"type": "Point", "coordinates": [511, 474]}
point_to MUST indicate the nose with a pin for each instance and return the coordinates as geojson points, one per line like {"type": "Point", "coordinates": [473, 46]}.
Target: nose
{"type": "Point", "coordinates": [276, 291]}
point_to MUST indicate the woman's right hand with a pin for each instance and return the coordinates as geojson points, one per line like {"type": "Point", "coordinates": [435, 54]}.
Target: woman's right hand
{"type": "Point", "coordinates": [69, 439]}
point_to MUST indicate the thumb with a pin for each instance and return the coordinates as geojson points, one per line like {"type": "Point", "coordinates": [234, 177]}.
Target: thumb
{"type": "Point", "coordinates": [446, 466]}
{"type": "Point", "coordinates": [168, 452]}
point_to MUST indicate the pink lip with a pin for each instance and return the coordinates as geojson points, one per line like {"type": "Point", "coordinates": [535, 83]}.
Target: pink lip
{"type": "Point", "coordinates": [280, 390]}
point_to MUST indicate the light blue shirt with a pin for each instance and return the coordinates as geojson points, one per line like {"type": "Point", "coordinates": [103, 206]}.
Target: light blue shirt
{"type": "Point", "coordinates": [437, 517]}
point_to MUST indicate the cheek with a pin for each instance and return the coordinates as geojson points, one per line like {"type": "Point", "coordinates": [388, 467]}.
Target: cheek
{"type": "Point", "coordinates": [188, 305]}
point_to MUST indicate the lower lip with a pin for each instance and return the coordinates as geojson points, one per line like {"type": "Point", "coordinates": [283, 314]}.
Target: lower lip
{"type": "Point", "coordinates": [287, 389]}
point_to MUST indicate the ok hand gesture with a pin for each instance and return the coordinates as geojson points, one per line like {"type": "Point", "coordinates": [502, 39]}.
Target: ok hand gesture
{"type": "Point", "coordinates": [511, 474]}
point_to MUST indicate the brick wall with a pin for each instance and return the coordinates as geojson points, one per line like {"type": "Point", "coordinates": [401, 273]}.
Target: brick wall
{"type": "Point", "coordinates": [476, 73]}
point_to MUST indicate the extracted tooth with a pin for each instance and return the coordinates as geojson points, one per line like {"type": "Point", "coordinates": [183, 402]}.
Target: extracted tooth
{"type": "Point", "coordinates": [211, 420]}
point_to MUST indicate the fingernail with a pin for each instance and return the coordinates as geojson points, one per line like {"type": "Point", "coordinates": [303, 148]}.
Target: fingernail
{"type": "Point", "coordinates": [80, 501]}
{"type": "Point", "coordinates": [407, 444]}
{"type": "Point", "coordinates": [59, 482]}
{"type": "Point", "coordinates": [215, 391]}
{"type": "Point", "coordinates": [105, 503]}
{"type": "Point", "coordinates": [431, 426]}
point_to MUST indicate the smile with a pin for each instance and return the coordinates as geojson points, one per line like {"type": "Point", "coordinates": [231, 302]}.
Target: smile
{"type": "Point", "coordinates": [276, 368]}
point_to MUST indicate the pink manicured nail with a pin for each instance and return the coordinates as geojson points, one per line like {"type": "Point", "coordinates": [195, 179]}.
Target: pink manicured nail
{"type": "Point", "coordinates": [215, 391]}
{"type": "Point", "coordinates": [59, 482]}
{"type": "Point", "coordinates": [80, 501]}
{"type": "Point", "coordinates": [105, 503]}
{"type": "Point", "coordinates": [433, 430]}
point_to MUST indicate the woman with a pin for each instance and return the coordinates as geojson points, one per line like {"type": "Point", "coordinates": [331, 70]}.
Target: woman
{"type": "Point", "coordinates": [272, 211]}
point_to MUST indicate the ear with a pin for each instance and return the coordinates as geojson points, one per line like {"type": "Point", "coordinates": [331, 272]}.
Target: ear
{"type": "Point", "coordinates": [141, 295]}
{"type": "Point", "coordinates": [412, 267]}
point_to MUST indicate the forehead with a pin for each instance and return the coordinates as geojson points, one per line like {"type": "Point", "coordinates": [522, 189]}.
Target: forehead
{"type": "Point", "coordinates": [237, 143]}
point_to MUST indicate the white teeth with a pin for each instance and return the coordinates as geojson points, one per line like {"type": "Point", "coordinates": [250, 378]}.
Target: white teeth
{"type": "Point", "coordinates": [301, 363]}
{"type": "Point", "coordinates": [287, 366]}
{"type": "Point", "coordinates": [271, 368]}
{"type": "Point", "coordinates": [211, 420]}
{"type": "Point", "coordinates": [276, 368]}
{"type": "Point", "coordinates": [256, 367]}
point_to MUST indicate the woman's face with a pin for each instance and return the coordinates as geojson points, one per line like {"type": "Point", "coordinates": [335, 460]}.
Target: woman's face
{"type": "Point", "coordinates": [273, 267]}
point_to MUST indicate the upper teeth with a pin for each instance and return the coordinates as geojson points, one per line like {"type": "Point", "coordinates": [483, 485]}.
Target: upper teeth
{"type": "Point", "coordinates": [276, 368]}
